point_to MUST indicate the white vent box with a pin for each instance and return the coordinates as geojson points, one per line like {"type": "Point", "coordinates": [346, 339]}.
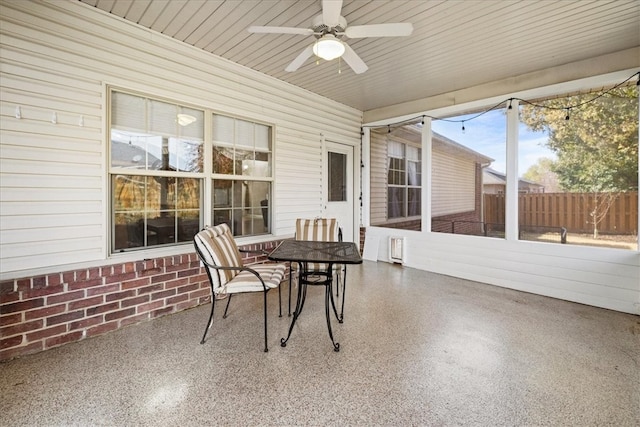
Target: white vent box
{"type": "Point", "coordinates": [396, 250]}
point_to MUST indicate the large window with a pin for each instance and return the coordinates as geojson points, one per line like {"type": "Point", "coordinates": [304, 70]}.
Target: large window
{"type": "Point", "coordinates": [404, 180]}
{"type": "Point", "coordinates": [469, 174]}
{"type": "Point", "coordinates": [396, 177]}
{"type": "Point", "coordinates": [576, 181]}
{"type": "Point", "coordinates": [580, 167]}
{"type": "Point", "coordinates": [241, 175]}
{"type": "Point", "coordinates": [158, 158]}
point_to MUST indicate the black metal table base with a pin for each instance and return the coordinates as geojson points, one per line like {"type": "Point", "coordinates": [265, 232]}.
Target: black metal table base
{"type": "Point", "coordinates": [327, 282]}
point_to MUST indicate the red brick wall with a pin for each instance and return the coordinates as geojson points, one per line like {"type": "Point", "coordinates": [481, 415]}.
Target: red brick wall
{"type": "Point", "coordinates": [42, 312]}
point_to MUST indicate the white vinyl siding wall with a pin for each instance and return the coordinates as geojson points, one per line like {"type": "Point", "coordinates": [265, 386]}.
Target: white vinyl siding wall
{"type": "Point", "coordinates": [58, 58]}
{"type": "Point", "coordinates": [378, 185]}
{"type": "Point", "coordinates": [454, 184]}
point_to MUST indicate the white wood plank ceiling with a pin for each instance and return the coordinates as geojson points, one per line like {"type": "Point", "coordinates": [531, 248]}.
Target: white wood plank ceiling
{"type": "Point", "coordinates": [455, 43]}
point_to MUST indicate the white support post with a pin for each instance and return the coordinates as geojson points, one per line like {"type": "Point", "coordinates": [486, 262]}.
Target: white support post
{"type": "Point", "coordinates": [426, 175]}
{"type": "Point", "coordinates": [511, 196]}
{"type": "Point", "coordinates": [366, 176]}
{"type": "Point", "coordinates": [638, 208]}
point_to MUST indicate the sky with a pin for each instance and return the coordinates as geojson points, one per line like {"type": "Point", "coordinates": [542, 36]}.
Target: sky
{"type": "Point", "coordinates": [486, 134]}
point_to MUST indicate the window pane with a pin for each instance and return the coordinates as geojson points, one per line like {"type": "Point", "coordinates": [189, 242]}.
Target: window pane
{"type": "Point", "coordinates": [396, 172]}
{"type": "Point", "coordinates": [154, 210]}
{"type": "Point", "coordinates": [263, 137]}
{"type": "Point", "coordinates": [128, 192]}
{"type": "Point", "coordinates": [223, 160]}
{"type": "Point", "coordinates": [243, 161]}
{"type": "Point", "coordinates": [128, 112]}
{"type": "Point", "coordinates": [414, 173]}
{"type": "Point", "coordinates": [163, 117]}
{"type": "Point", "coordinates": [415, 202]}
{"type": "Point", "coordinates": [245, 144]}
{"type": "Point", "coordinates": [160, 194]}
{"type": "Point", "coordinates": [261, 166]}
{"type": "Point", "coordinates": [467, 165]}
{"type": "Point", "coordinates": [244, 134]}
{"type": "Point", "coordinates": [337, 164]}
{"type": "Point", "coordinates": [223, 129]}
{"type": "Point", "coordinates": [190, 123]}
{"type": "Point", "coordinates": [396, 177]}
{"type": "Point", "coordinates": [185, 155]}
{"type": "Point", "coordinates": [396, 202]}
{"type": "Point", "coordinates": [144, 135]}
{"type": "Point", "coordinates": [579, 175]}
{"type": "Point", "coordinates": [243, 205]}
{"type": "Point", "coordinates": [396, 149]}
{"type": "Point", "coordinates": [128, 230]}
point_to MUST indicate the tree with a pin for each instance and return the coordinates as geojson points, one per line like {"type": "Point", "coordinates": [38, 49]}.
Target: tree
{"type": "Point", "coordinates": [542, 172]}
{"type": "Point", "coordinates": [595, 139]}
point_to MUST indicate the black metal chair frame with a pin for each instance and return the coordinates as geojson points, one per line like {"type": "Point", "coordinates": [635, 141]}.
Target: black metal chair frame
{"type": "Point", "coordinates": [213, 294]}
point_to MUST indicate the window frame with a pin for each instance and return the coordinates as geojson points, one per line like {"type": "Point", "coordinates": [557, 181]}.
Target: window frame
{"type": "Point", "coordinates": [405, 186]}
{"type": "Point", "coordinates": [204, 176]}
{"type": "Point", "coordinates": [245, 179]}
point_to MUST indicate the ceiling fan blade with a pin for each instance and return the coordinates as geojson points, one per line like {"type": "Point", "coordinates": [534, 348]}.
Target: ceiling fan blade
{"type": "Point", "coordinates": [379, 30]}
{"type": "Point", "coordinates": [297, 63]}
{"type": "Point", "coordinates": [331, 12]}
{"type": "Point", "coordinates": [280, 30]}
{"type": "Point", "coordinates": [354, 61]}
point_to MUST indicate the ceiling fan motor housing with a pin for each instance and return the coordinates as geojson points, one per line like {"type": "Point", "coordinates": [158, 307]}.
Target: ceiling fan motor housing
{"type": "Point", "coordinates": [320, 28]}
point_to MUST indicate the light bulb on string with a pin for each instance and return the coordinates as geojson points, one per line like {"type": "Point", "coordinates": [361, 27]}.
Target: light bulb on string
{"type": "Point", "coordinates": [510, 106]}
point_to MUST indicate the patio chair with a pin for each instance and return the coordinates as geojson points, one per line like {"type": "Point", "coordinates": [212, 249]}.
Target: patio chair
{"type": "Point", "coordinates": [327, 230]}
{"type": "Point", "coordinates": [218, 251]}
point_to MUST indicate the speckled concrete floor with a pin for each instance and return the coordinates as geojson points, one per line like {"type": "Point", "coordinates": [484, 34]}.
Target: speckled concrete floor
{"type": "Point", "coordinates": [416, 349]}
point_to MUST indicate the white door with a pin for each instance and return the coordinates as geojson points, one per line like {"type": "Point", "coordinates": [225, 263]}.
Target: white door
{"type": "Point", "coordinates": [338, 187]}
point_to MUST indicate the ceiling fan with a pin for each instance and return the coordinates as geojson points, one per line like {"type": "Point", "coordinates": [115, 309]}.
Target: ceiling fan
{"type": "Point", "coordinates": [328, 28]}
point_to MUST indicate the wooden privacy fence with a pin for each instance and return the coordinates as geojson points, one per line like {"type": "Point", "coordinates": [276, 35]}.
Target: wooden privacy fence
{"type": "Point", "coordinates": [569, 210]}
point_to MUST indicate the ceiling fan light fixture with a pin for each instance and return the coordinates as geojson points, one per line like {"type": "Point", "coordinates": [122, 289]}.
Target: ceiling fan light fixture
{"type": "Point", "coordinates": [328, 47]}
{"type": "Point", "coordinates": [185, 119]}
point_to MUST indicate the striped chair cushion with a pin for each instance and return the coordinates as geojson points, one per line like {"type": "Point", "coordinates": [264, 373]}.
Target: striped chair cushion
{"type": "Point", "coordinates": [245, 281]}
{"type": "Point", "coordinates": [318, 229]}
{"type": "Point", "coordinates": [218, 247]}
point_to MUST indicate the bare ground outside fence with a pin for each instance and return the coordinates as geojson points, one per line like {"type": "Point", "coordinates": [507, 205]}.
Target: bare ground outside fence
{"type": "Point", "coordinates": [543, 216]}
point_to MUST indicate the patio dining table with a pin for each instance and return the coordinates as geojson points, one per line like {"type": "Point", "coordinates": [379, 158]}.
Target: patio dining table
{"type": "Point", "coordinates": [325, 253]}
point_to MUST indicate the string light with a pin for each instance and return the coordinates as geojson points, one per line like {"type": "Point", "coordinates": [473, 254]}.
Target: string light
{"type": "Point", "coordinates": [501, 103]}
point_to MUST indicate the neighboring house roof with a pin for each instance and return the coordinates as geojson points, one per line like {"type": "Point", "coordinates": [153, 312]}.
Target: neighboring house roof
{"type": "Point", "coordinates": [130, 155]}
{"type": "Point", "coordinates": [414, 133]}
{"type": "Point", "coordinates": [494, 177]}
